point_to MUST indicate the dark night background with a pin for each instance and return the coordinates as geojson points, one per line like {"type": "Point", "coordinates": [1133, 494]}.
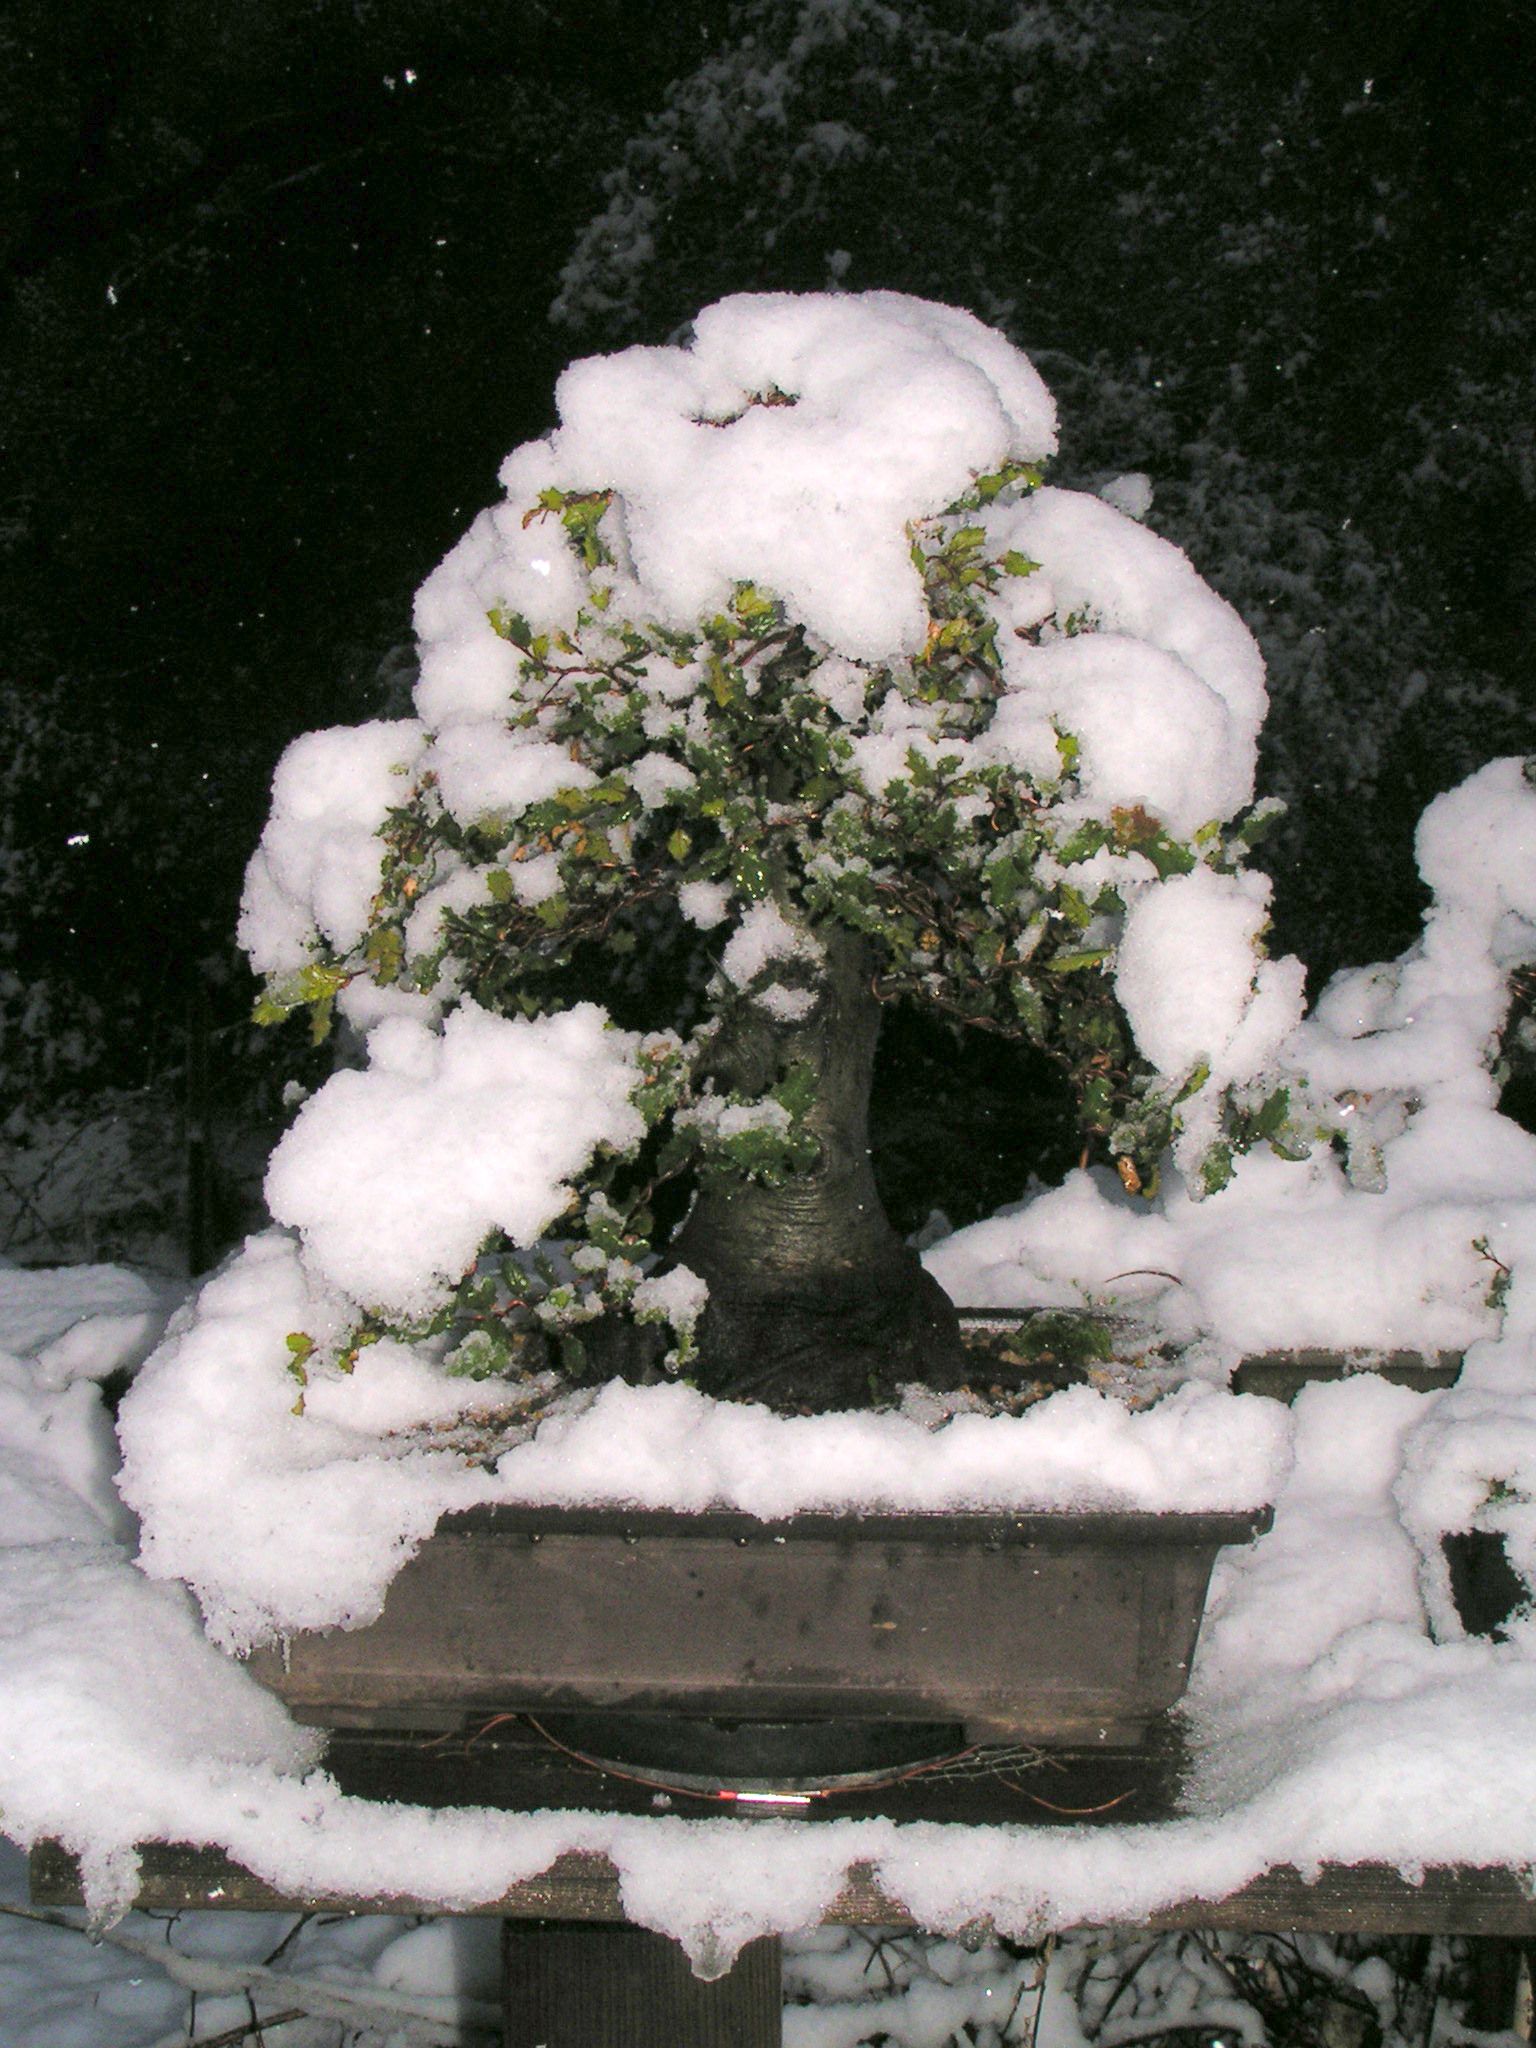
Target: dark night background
{"type": "Point", "coordinates": [279, 277]}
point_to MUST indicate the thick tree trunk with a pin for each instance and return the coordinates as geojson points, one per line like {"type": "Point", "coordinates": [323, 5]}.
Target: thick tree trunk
{"type": "Point", "coordinates": [813, 1299]}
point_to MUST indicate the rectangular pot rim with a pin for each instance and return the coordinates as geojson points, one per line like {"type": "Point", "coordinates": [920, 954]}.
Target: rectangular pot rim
{"type": "Point", "coordinates": [989, 1528]}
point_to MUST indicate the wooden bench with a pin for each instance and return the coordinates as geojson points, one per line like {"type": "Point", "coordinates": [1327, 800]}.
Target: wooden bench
{"type": "Point", "coordinates": [577, 1975]}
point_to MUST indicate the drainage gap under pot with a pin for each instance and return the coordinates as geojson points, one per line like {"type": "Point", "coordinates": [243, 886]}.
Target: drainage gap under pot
{"type": "Point", "coordinates": [692, 1754]}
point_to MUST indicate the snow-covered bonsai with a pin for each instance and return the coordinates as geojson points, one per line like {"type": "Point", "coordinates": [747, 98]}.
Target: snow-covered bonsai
{"type": "Point", "coordinates": [777, 687]}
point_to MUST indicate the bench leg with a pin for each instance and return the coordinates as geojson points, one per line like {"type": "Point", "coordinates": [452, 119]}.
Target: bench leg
{"type": "Point", "coordinates": [1495, 1961]}
{"type": "Point", "coordinates": [569, 1984]}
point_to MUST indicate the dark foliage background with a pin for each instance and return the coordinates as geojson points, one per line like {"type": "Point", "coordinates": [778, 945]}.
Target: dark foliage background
{"type": "Point", "coordinates": [278, 279]}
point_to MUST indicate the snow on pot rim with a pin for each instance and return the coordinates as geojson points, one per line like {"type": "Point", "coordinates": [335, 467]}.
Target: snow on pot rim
{"type": "Point", "coordinates": [282, 1521]}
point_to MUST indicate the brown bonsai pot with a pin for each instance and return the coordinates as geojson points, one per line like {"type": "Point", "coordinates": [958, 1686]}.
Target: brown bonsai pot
{"type": "Point", "coordinates": [1066, 1630]}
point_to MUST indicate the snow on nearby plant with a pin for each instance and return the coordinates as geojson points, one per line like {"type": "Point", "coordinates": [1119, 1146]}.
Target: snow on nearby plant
{"type": "Point", "coordinates": [778, 634]}
{"type": "Point", "coordinates": [1406, 1229]}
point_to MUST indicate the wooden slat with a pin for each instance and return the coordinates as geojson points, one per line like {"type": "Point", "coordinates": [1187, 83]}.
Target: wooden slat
{"type": "Point", "coordinates": [592, 1986]}
{"type": "Point", "coordinates": [176, 1876]}
{"type": "Point", "coordinates": [1366, 1898]}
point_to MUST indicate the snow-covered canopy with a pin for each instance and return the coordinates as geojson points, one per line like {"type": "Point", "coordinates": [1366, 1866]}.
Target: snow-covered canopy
{"type": "Point", "coordinates": [1052, 686]}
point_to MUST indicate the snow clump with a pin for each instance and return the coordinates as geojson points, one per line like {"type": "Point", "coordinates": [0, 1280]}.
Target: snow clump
{"type": "Point", "coordinates": [393, 1176]}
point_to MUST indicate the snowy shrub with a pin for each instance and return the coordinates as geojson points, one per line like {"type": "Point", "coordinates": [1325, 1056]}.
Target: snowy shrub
{"type": "Point", "coordinates": [778, 675]}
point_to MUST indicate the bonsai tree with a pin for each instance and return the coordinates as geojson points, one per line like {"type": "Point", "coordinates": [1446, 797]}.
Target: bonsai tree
{"type": "Point", "coordinates": [777, 688]}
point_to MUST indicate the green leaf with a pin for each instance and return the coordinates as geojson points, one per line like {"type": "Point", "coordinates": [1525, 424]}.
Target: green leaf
{"type": "Point", "coordinates": [1075, 963]}
{"type": "Point", "coordinates": [385, 953]}
{"type": "Point", "coordinates": [678, 1148]}
{"type": "Point", "coordinates": [1029, 1006]}
{"type": "Point", "coordinates": [1091, 837]}
{"type": "Point", "coordinates": [1197, 1080]}
{"type": "Point", "coordinates": [499, 886]}
{"type": "Point", "coordinates": [680, 845]}
{"type": "Point", "coordinates": [573, 1355]}
{"type": "Point", "coordinates": [1272, 1115]}
{"type": "Point", "coordinates": [723, 682]}
{"type": "Point", "coordinates": [315, 982]}
{"type": "Point", "coordinates": [749, 875]}
{"type": "Point", "coordinates": [605, 1230]}
{"type": "Point", "coordinates": [1098, 1101]}
{"type": "Point", "coordinates": [1168, 857]}
{"type": "Point", "coordinates": [1015, 564]}
{"type": "Point", "coordinates": [481, 1356]}
{"type": "Point", "coordinates": [1260, 822]}
{"type": "Point", "coordinates": [754, 607]}
{"type": "Point", "coordinates": [1216, 1169]}
{"type": "Point", "coordinates": [510, 626]}
{"type": "Point", "coordinates": [1075, 907]}
{"type": "Point", "coordinates": [1100, 1032]}
{"type": "Point", "coordinates": [1005, 878]}
{"type": "Point", "coordinates": [985, 489]}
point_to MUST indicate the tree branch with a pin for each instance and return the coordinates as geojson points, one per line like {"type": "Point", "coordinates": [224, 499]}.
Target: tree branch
{"type": "Point", "coordinates": [421, 2022]}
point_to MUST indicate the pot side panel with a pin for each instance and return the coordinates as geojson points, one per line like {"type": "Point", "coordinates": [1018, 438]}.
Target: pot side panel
{"type": "Point", "coordinates": [1072, 1643]}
